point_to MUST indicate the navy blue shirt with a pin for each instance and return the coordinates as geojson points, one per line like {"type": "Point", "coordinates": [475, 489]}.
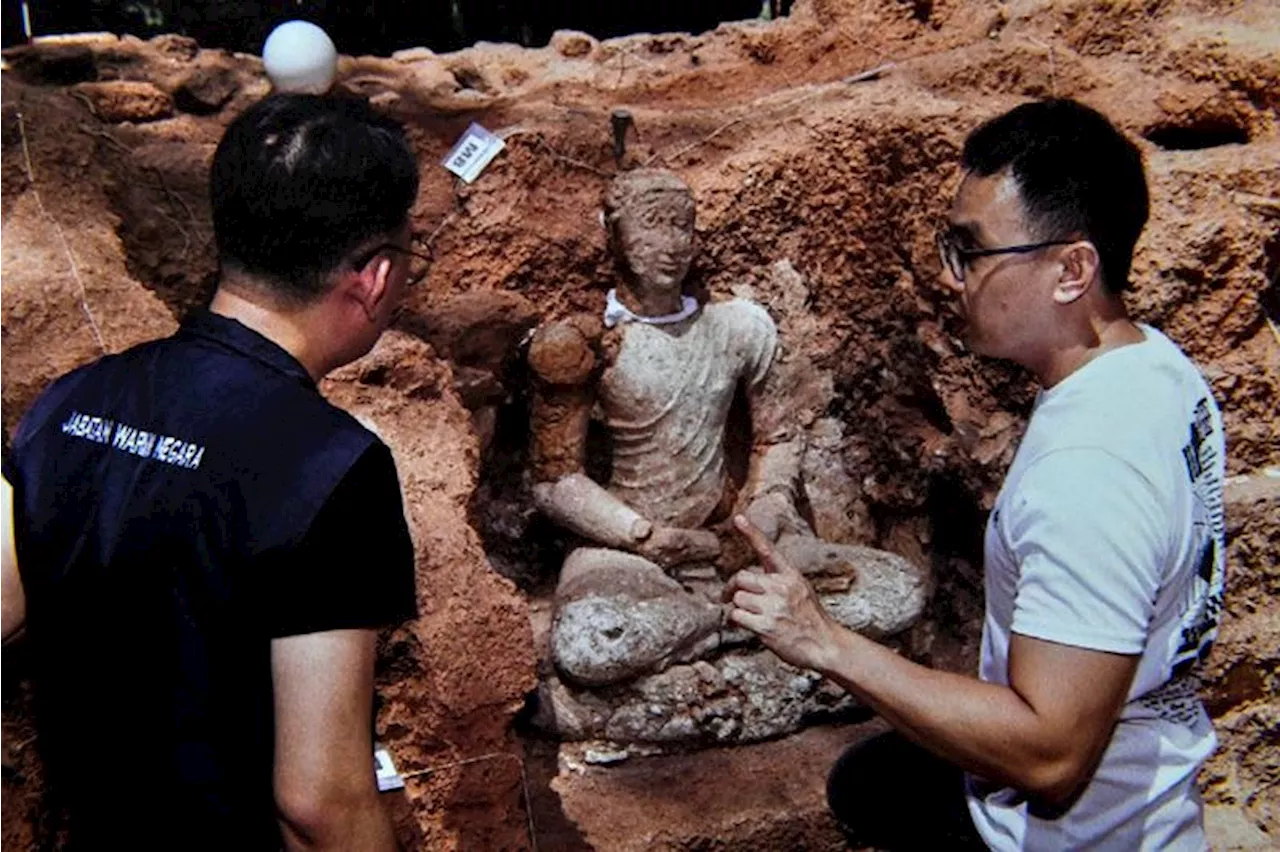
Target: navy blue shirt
{"type": "Point", "coordinates": [176, 507]}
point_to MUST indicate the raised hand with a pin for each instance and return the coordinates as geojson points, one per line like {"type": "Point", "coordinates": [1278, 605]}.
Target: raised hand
{"type": "Point", "coordinates": [779, 605]}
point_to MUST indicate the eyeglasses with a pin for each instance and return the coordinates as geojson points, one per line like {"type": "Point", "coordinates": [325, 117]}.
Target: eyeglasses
{"type": "Point", "coordinates": [362, 261]}
{"type": "Point", "coordinates": [957, 259]}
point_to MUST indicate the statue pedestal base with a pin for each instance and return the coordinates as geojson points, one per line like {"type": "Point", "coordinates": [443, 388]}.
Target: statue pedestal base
{"type": "Point", "coordinates": [742, 696]}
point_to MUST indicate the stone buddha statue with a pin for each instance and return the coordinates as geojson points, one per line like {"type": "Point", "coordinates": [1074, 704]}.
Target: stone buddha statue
{"type": "Point", "coordinates": [640, 598]}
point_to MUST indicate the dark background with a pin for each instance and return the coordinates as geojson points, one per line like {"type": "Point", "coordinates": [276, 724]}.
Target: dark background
{"type": "Point", "coordinates": [377, 27]}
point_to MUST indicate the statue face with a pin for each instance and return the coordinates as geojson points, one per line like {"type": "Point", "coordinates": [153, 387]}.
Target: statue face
{"type": "Point", "coordinates": [655, 238]}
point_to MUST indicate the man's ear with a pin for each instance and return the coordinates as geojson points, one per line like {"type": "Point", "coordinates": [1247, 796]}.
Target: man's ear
{"type": "Point", "coordinates": [1081, 268]}
{"type": "Point", "coordinates": [368, 285]}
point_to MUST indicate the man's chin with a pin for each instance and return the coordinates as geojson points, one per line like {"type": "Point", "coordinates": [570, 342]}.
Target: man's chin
{"type": "Point", "coordinates": [660, 282]}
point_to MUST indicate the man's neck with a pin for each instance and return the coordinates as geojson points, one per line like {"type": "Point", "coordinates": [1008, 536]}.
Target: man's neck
{"type": "Point", "coordinates": [285, 328]}
{"type": "Point", "coordinates": [1101, 333]}
{"type": "Point", "coordinates": [649, 303]}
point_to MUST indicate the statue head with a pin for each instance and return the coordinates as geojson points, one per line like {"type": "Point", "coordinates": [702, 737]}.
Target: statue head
{"type": "Point", "coordinates": [649, 214]}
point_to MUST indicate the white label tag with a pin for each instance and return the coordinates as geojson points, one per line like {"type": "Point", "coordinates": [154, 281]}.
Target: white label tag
{"type": "Point", "coordinates": [474, 151]}
{"type": "Point", "coordinates": [385, 770]}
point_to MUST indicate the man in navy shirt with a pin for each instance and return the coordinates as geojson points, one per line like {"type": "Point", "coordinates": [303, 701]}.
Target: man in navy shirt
{"type": "Point", "coordinates": [205, 547]}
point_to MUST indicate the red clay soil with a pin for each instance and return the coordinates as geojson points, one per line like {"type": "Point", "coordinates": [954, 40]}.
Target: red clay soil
{"type": "Point", "coordinates": [817, 191]}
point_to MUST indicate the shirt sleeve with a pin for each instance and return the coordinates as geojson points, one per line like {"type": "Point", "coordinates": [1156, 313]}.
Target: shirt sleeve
{"type": "Point", "coordinates": [355, 566]}
{"type": "Point", "coordinates": [9, 469]}
{"type": "Point", "coordinates": [1088, 532]}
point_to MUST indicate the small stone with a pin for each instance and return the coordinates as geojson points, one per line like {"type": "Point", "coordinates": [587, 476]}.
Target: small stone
{"type": "Point", "coordinates": [206, 90]}
{"type": "Point", "coordinates": [603, 757]}
{"type": "Point", "coordinates": [680, 728]}
{"type": "Point", "coordinates": [127, 100]}
{"type": "Point", "coordinates": [572, 44]}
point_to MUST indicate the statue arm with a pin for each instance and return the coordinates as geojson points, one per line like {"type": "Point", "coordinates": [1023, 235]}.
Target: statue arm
{"type": "Point", "coordinates": [580, 505]}
{"type": "Point", "coordinates": [773, 478]}
{"type": "Point", "coordinates": [563, 361]}
{"type": "Point", "coordinates": [563, 358]}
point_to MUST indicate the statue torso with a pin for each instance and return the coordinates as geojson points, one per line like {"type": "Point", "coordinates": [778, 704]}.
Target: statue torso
{"type": "Point", "coordinates": [666, 400]}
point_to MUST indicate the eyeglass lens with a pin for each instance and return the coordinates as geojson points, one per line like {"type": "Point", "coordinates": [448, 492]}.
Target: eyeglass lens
{"type": "Point", "coordinates": [950, 257]}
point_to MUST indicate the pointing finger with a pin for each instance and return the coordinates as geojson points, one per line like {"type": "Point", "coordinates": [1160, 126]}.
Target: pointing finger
{"type": "Point", "coordinates": [770, 560]}
{"type": "Point", "coordinates": [758, 541]}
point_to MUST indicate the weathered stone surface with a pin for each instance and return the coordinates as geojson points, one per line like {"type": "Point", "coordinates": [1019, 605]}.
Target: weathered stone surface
{"type": "Point", "coordinates": [665, 397]}
{"type": "Point", "coordinates": [741, 693]}
{"type": "Point", "coordinates": [743, 696]}
{"type": "Point", "coordinates": [618, 614]}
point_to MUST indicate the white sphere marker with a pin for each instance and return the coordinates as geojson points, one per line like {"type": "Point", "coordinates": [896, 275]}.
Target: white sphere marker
{"type": "Point", "coordinates": [300, 57]}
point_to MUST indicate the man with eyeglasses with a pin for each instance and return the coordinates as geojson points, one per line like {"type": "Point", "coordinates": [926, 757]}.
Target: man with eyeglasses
{"type": "Point", "coordinates": [1104, 553]}
{"type": "Point", "coordinates": [205, 547]}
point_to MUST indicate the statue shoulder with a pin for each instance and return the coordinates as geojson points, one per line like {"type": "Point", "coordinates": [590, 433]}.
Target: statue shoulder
{"type": "Point", "coordinates": [564, 351]}
{"type": "Point", "coordinates": [745, 316]}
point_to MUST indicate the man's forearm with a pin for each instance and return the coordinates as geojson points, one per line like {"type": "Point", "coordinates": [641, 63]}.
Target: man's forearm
{"type": "Point", "coordinates": [14, 601]}
{"type": "Point", "coordinates": [986, 729]}
{"type": "Point", "coordinates": [13, 637]}
{"type": "Point", "coordinates": [359, 824]}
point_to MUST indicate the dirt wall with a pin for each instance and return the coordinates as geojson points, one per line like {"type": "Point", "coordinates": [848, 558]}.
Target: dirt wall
{"type": "Point", "coordinates": [818, 190]}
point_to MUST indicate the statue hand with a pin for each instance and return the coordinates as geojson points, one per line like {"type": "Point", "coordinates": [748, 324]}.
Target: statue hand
{"type": "Point", "coordinates": [774, 514]}
{"type": "Point", "coordinates": [669, 546]}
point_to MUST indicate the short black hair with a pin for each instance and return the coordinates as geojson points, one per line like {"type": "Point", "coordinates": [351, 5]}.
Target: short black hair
{"type": "Point", "coordinates": [1078, 176]}
{"type": "Point", "coordinates": [299, 182]}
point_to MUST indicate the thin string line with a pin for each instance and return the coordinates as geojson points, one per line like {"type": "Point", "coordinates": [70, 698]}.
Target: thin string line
{"type": "Point", "coordinates": [62, 237]}
{"type": "Point", "coordinates": [524, 783]}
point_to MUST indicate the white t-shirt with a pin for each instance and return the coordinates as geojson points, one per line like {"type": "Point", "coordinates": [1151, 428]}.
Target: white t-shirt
{"type": "Point", "coordinates": [1108, 534]}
